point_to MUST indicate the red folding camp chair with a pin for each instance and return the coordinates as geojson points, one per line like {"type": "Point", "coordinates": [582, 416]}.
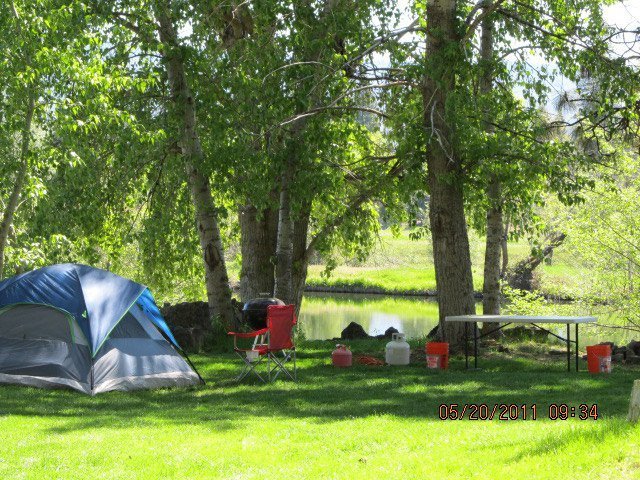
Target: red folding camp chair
{"type": "Point", "coordinates": [269, 342]}
{"type": "Point", "coordinates": [280, 322]}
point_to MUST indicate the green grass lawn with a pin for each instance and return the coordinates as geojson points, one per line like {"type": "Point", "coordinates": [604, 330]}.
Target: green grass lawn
{"type": "Point", "coordinates": [399, 264]}
{"type": "Point", "coordinates": [365, 422]}
{"type": "Point", "coordinates": [390, 279]}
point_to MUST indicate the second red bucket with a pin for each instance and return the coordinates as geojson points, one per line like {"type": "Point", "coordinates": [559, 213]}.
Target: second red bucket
{"type": "Point", "coordinates": [439, 348]}
{"type": "Point", "coordinates": [595, 356]}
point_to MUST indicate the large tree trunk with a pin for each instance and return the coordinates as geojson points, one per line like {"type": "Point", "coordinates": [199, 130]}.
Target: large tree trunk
{"type": "Point", "coordinates": [446, 206]}
{"type": "Point", "coordinates": [16, 192]}
{"type": "Point", "coordinates": [258, 247]}
{"type": "Point", "coordinates": [493, 246]}
{"type": "Point", "coordinates": [217, 279]}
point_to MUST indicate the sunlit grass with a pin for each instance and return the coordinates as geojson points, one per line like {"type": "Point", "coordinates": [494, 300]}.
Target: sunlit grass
{"type": "Point", "coordinates": [399, 264]}
{"type": "Point", "coordinates": [366, 422]}
{"type": "Point", "coordinates": [394, 279]}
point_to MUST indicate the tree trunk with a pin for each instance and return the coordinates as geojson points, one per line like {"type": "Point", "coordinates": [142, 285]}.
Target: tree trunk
{"type": "Point", "coordinates": [521, 277]}
{"type": "Point", "coordinates": [493, 246]}
{"type": "Point", "coordinates": [258, 246]}
{"type": "Point", "coordinates": [452, 258]}
{"type": "Point", "coordinates": [300, 258]}
{"type": "Point", "coordinates": [493, 254]}
{"type": "Point", "coordinates": [291, 270]}
{"type": "Point", "coordinates": [16, 192]}
{"type": "Point", "coordinates": [505, 250]}
{"type": "Point", "coordinates": [283, 288]}
{"type": "Point", "coordinates": [217, 279]}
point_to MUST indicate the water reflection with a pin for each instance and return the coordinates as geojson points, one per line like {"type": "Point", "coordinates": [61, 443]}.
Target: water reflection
{"type": "Point", "coordinates": [326, 315]}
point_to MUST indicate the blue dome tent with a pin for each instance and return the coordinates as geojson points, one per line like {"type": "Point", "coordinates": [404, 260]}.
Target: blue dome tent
{"type": "Point", "coordinates": [84, 328]}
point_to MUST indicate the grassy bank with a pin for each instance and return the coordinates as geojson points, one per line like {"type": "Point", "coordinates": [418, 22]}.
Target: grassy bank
{"type": "Point", "coordinates": [402, 265]}
{"type": "Point", "coordinates": [366, 422]}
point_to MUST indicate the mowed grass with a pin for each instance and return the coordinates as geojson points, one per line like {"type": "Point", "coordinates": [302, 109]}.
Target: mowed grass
{"type": "Point", "coordinates": [389, 279]}
{"type": "Point", "coordinates": [399, 264]}
{"type": "Point", "coordinates": [364, 422]}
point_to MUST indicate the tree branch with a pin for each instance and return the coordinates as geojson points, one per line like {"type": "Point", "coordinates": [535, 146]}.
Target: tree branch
{"type": "Point", "coordinates": [315, 111]}
{"type": "Point", "coordinates": [472, 27]}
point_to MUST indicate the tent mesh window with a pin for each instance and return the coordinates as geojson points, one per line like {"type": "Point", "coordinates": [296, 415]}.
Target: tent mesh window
{"type": "Point", "coordinates": [128, 327]}
{"type": "Point", "coordinates": [35, 322]}
{"type": "Point", "coordinates": [41, 341]}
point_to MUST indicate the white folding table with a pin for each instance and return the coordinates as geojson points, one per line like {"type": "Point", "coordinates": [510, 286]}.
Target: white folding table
{"type": "Point", "coordinates": [505, 320]}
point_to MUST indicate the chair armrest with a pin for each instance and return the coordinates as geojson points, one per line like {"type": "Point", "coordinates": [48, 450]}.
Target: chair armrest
{"type": "Point", "coordinates": [253, 334]}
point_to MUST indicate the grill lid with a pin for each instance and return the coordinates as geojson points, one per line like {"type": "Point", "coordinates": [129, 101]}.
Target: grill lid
{"type": "Point", "coordinates": [254, 312]}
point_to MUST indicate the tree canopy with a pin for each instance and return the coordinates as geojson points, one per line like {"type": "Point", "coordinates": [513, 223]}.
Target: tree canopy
{"type": "Point", "coordinates": [175, 141]}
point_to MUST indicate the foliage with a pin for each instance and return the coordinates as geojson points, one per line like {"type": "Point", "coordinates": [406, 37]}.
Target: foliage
{"type": "Point", "coordinates": [106, 186]}
{"type": "Point", "coordinates": [604, 235]}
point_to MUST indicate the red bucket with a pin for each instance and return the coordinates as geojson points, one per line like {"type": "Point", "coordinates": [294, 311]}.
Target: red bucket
{"type": "Point", "coordinates": [439, 348]}
{"type": "Point", "coordinates": [595, 355]}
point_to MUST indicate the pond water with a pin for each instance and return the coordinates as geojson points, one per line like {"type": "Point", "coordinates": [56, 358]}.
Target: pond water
{"type": "Point", "coordinates": [324, 316]}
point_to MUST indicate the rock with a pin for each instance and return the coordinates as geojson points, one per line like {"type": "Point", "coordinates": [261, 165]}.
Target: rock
{"type": "Point", "coordinates": [353, 331]}
{"type": "Point", "coordinates": [634, 346]}
{"type": "Point", "coordinates": [617, 358]}
{"type": "Point", "coordinates": [503, 349]}
{"type": "Point", "coordinates": [622, 350]}
{"type": "Point", "coordinates": [389, 332]}
{"type": "Point", "coordinates": [195, 314]}
{"type": "Point", "coordinates": [187, 315]}
{"type": "Point", "coordinates": [632, 360]}
{"type": "Point", "coordinates": [190, 339]}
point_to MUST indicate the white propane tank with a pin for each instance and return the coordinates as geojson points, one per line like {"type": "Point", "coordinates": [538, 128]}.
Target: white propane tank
{"type": "Point", "coordinates": [398, 350]}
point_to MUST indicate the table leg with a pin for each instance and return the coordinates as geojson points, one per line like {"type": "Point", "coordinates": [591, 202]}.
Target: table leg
{"type": "Point", "coordinates": [475, 345]}
{"type": "Point", "coordinates": [577, 350]}
{"type": "Point", "coordinates": [568, 347]}
{"type": "Point", "coordinates": [466, 345]}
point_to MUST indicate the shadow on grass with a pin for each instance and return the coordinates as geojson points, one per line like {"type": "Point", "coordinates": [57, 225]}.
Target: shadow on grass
{"type": "Point", "coordinates": [324, 394]}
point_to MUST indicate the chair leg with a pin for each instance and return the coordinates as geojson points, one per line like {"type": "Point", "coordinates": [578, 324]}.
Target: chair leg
{"type": "Point", "coordinates": [280, 365]}
{"type": "Point", "coordinates": [295, 368]}
{"type": "Point", "coordinates": [248, 368]}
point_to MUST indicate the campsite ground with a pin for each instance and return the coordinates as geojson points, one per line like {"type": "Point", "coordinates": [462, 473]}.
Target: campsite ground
{"type": "Point", "coordinates": [366, 422]}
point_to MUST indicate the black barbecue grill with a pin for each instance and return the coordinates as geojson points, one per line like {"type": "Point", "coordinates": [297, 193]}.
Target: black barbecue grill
{"type": "Point", "coordinates": [254, 312]}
